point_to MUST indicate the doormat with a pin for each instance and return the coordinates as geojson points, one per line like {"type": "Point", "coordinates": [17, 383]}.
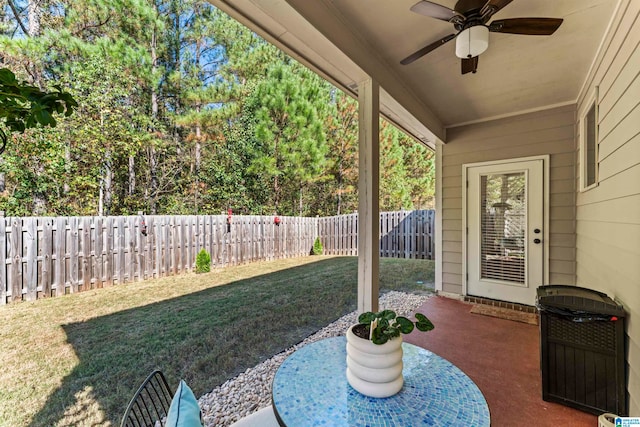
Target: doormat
{"type": "Point", "coordinates": [505, 313]}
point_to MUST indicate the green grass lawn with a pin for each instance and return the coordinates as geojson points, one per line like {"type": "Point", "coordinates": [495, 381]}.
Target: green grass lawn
{"type": "Point", "coordinates": [77, 359]}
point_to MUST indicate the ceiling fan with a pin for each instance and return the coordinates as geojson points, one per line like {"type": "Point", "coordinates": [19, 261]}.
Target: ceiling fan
{"type": "Point", "coordinates": [470, 18]}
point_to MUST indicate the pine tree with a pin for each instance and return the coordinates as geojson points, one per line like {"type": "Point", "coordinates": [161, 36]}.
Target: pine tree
{"type": "Point", "coordinates": [394, 188]}
{"type": "Point", "coordinates": [288, 128]}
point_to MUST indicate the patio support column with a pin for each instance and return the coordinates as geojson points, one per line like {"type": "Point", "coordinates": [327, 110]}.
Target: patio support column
{"type": "Point", "coordinates": [368, 195]}
{"type": "Point", "coordinates": [438, 222]}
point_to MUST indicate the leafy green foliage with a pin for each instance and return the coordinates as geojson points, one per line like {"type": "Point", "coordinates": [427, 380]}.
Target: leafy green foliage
{"type": "Point", "coordinates": [423, 324]}
{"type": "Point", "coordinates": [317, 247]}
{"type": "Point", "coordinates": [387, 325]}
{"type": "Point", "coordinates": [23, 106]}
{"type": "Point", "coordinates": [203, 262]}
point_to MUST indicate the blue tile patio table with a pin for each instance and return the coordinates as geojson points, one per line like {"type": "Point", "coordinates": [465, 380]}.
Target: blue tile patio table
{"type": "Point", "coordinates": [310, 389]}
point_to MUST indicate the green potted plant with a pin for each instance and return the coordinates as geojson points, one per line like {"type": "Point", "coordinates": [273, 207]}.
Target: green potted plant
{"type": "Point", "coordinates": [384, 325]}
{"type": "Point", "coordinates": [374, 351]}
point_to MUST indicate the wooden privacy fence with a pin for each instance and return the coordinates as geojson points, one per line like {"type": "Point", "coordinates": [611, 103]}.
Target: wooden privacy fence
{"type": "Point", "coordinates": [47, 256]}
{"type": "Point", "coordinates": [403, 234]}
{"type": "Point", "coordinates": [55, 256]}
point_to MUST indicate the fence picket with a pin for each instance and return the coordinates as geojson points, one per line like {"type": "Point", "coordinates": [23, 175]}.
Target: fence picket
{"type": "Point", "coordinates": [148, 252]}
{"type": "Point", "coordinates": [98, 252]}
{"type": "Point", "coordinates": [121, 264]}
{"type": "Point", "coordinates": [3, 259]}
{"type": "Point", "coordinates": [139, 248]}
{"type": "Point", "coordinates": [44, 243]}
{"type": "Point", "coordinates": [209, 238]}
{"type": "Point", "coordinates": [131, 259]}
{"type": "Point", "coordinates": [60, 264]}
{"type": "Point", "coordinates": [175, 244]}
{"type": "Point", "coordinates": [158, 236]}
{"type": "Point", "coordinates": [109, 251]}
{"type": "Point", "coordinates": [16, 259]}
{"type": "Point", "coordinates": [31, 257]}
{"type": "Point", "coordinates": [191, 247]}
{"type": "Point", "coordinates": [86, 253]}
{"type": "Point", "coordinates": [168, 225]}
{"type": "Point", "coordinates": [73, 250]}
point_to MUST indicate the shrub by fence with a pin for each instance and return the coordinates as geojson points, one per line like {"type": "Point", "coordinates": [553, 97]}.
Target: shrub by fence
{"type": "Point", "coordinates": [46, 256]}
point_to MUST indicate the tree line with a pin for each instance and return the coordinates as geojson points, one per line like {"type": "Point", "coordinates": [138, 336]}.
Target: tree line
{"type": "Point", "coordinates": [183, 110]}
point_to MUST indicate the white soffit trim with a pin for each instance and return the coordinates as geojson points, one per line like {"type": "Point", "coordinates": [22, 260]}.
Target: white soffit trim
{"type": "Point", "coordinates": [266, 22]}
{"type": "Point", "coordinates": [512, 114]}
{"type": "Point", "coordinates": [394, 112]}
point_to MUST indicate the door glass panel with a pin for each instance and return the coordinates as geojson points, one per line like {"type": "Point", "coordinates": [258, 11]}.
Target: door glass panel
{"type": "Point", "coordinates": [503, 223]}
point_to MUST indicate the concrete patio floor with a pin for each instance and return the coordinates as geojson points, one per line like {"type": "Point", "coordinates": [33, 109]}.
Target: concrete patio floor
{"type": "Point", "coordinates": [502, 357]}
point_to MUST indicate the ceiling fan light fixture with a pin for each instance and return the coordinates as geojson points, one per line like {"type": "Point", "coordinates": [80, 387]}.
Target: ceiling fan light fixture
{"type": "Point", "coordinates": [472, 41]}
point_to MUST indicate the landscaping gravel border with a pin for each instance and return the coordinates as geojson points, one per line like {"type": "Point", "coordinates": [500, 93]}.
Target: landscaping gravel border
{"type": "Point", "coordinates": [251, 390]}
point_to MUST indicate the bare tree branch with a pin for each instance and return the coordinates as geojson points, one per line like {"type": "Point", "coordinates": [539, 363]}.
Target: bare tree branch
{"type": "Point", "coordinates": [17, 15]}
{"type": "Point", "coordinates": [86, 27]}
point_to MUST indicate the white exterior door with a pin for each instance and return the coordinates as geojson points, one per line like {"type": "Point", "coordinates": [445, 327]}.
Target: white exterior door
{"type": "Point", "coordinates": [505, 230]}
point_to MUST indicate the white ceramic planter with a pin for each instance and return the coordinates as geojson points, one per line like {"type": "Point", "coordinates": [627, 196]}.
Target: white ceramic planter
{"type": "Point", "coordinates": [374, 370]}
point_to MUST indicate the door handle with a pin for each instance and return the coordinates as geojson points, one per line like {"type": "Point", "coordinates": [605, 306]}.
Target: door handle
{"type": "Point", "coordinates": [537, 241]}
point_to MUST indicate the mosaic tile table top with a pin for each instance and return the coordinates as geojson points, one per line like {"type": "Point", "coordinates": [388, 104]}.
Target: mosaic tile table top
{"type": "Point", "coordinates": [311, 389]}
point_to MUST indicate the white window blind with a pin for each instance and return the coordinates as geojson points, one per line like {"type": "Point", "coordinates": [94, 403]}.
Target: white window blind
{"type": "Point", "coordinates": [503, 226]}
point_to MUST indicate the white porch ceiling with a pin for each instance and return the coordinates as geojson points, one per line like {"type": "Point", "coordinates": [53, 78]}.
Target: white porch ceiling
{"type": "Point", "coordinates": [347, 40]}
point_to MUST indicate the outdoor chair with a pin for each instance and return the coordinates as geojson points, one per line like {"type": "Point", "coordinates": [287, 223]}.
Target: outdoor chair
{"type": "Point", "coordinates": [150, 404]}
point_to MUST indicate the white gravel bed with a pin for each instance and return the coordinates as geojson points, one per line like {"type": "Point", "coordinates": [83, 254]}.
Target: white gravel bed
{"type": "Point", "coordinates": [251, 390]}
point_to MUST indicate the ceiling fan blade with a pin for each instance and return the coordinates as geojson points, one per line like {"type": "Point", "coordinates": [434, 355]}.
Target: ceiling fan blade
{"type": "Point", "coordinates": [422, 52]}
{"type": "Point", "coordinates": [530, 26]}
{"type": "Point", "coordinates": [492, 7]}
{"type": "Point", "coordinates": [469, 65]}
{"type": "Point", "coordinates": [434, 10]}
{"type": "Point", "coordinates": [499, 4]}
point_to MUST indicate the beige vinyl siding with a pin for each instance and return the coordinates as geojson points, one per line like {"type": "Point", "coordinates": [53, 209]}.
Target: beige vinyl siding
{"type": "Point", "coordinates": [544, 132]}
{"type": "Point", "coordinates": [608, 215]}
